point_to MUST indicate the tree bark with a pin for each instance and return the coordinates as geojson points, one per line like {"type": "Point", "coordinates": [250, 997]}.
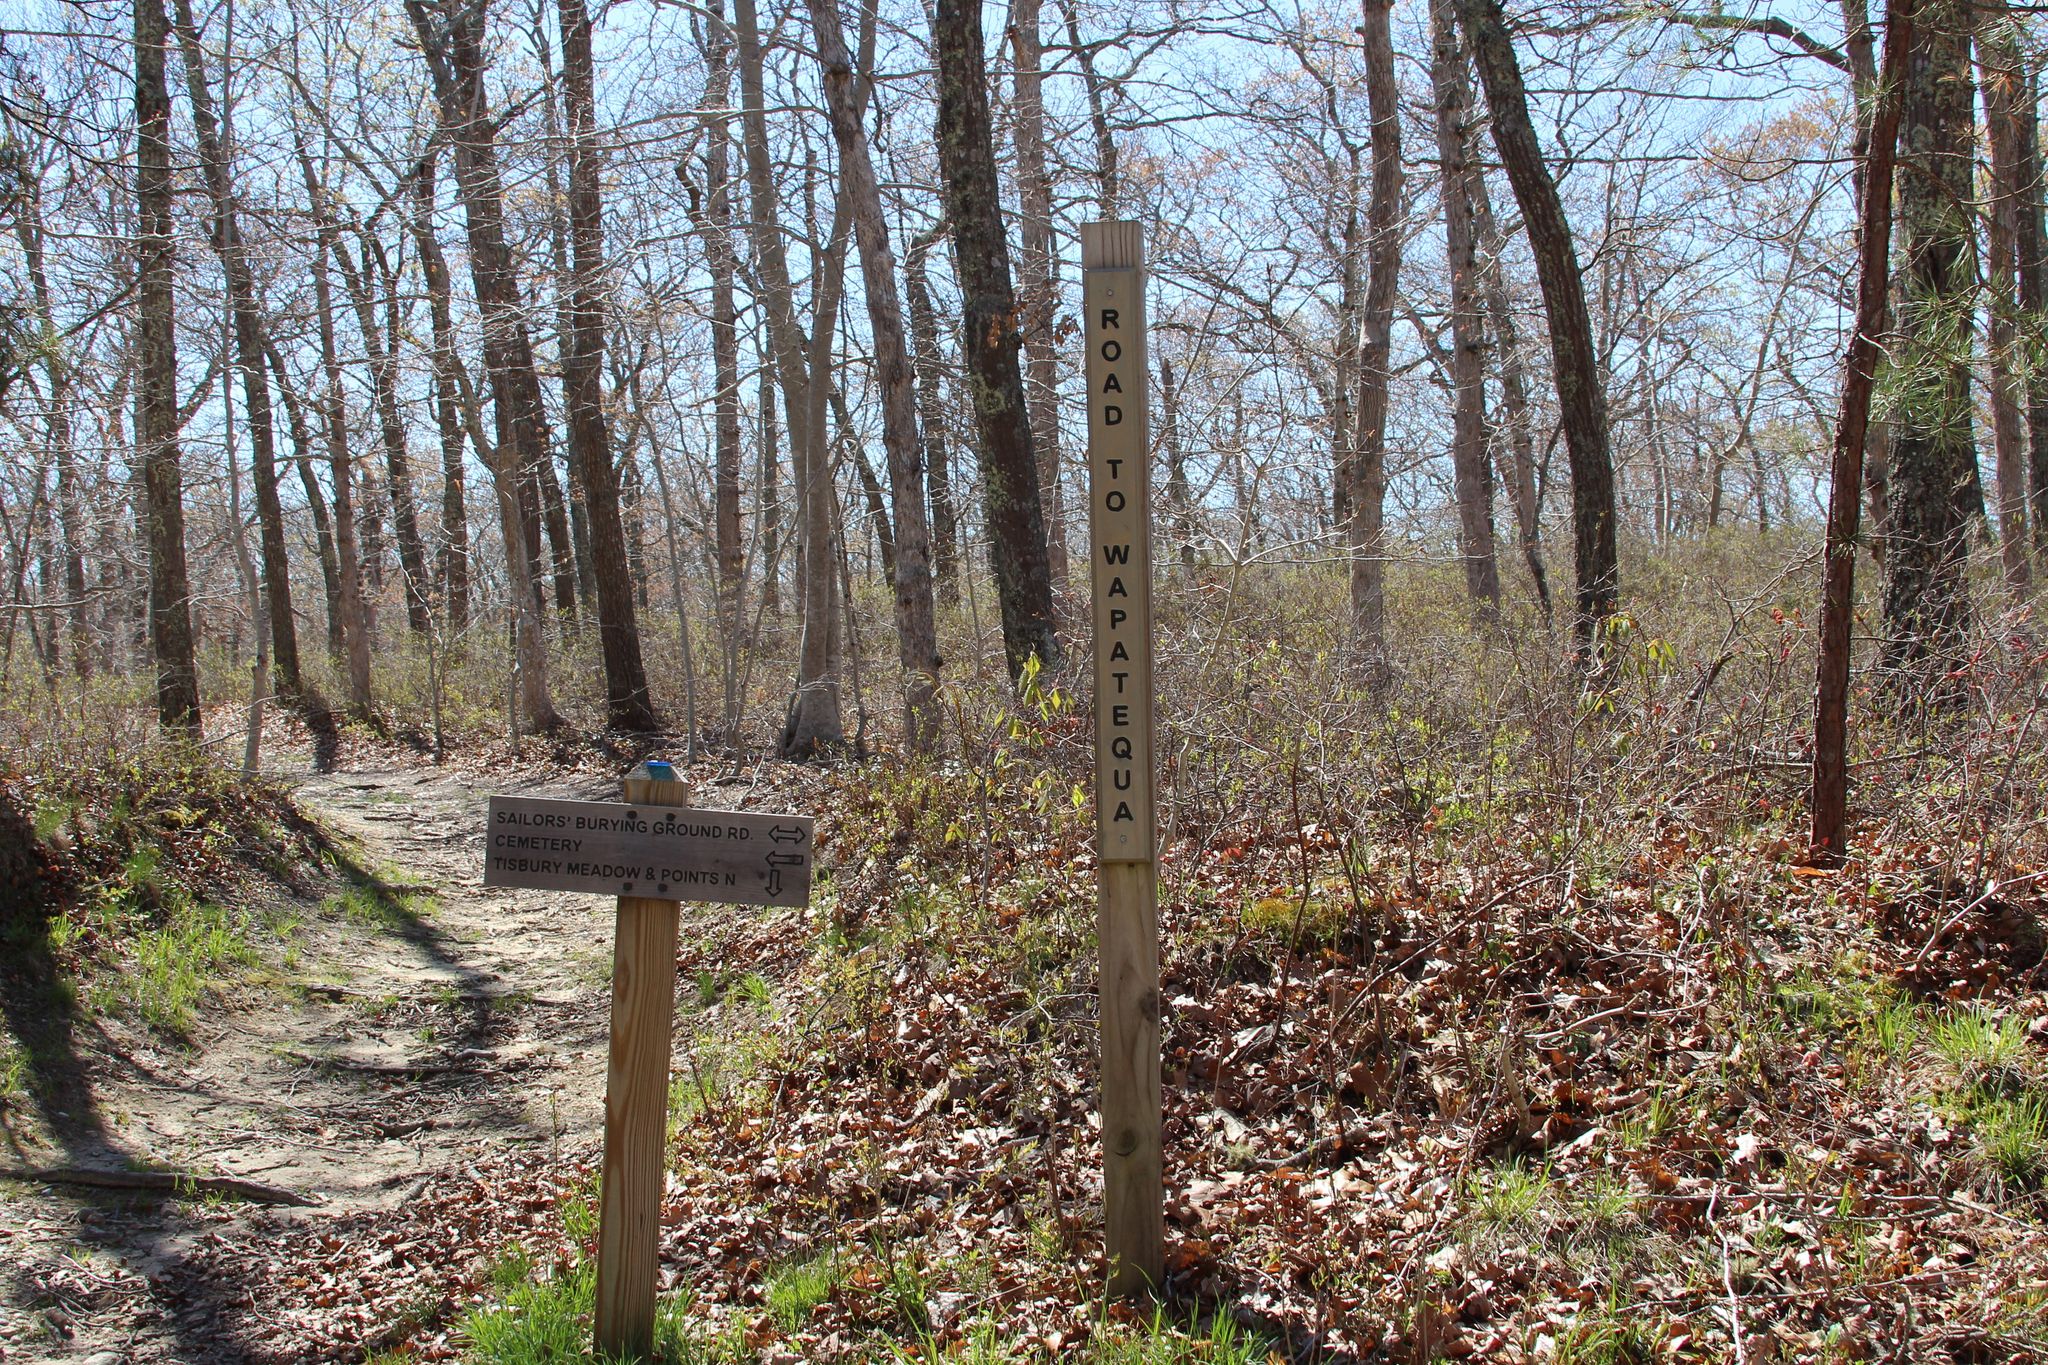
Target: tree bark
{"type": "Point", "coordinates": [1038, 275]}
{"type": "Point", "coordinates": [1515, 420]}
{"type": "Point", "coordinates": [814, 723]}
{"type": "Point", "coordinates": [1472, 472]}
{"type": "Point", "coordinates": [1829, 804]}
{"type": "Point", "coordinates": [1998, 59]}
{"type": "Point", "coordinates": [1582, 403]}
{"type": "Point", "coordinates": [249, 331]}
{"type": "Point", "coordinates": [454, 561]}
{"type": "Point", "coordinates": [316, 501]}
{"type": "Point", "coordinates": [1926, 599]}
{"type": "Point", "coordinates": [627, 703]}
{"type": "Point", "coordinates": [1375, 340]}
{"type": "Point", "coordinates": [981, 253]}
{"type": "Point", "coordinates": [381, 350]}
{"type": "Point", "coordinates": [355, 632]}
{"type": "Point", "coordinates": [2032, 253]}
{"type": "Point", "coordinates": [714, 226]}
{"type": "Point", "coordinates": [452, 40]}
{"type": "Point", "coordinates": [916, 634]}
{"type": "Point", "coordinates": [924, 341]}
{"type": "Point", "coordinates": [157, 418]}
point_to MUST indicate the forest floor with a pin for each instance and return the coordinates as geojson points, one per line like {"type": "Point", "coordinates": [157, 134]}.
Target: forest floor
{"type": "Point", "coordinates": [1530, 1045]}
{"type": "Point", "coordinates": [411, 1038]}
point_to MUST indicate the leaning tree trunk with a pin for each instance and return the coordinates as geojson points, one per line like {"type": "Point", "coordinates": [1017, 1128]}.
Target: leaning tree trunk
{"type": "Point", "coordinates": [1926, 598]}
{"type": "Point", "coordinates": [156, 391]}
{"type": "Point", "coordinates": [1582, 405]}
{"type": "Point", "coordinates": [1829, 804]}
{"type": "Point", "coordinates": [1375, 341]}
{"type": "Point", "coordinates": [1998, 58]}
{"type": "Point", "coordinates": [453, 46]}
{"type": "Point", "coordinates": [627, 704]}
{"type": "Point", "coordinates": [249, 330]}
{"type": "Point", "coordinates": [916, 635]}
{"type": "Point", "coordinates": [981, 252]}
{"type": "Point", "coordinates": [1471, 471]}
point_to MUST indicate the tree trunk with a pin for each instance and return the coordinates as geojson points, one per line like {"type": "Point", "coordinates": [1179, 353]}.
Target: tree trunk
{"type": "Point", "coordinates": [714, 225]}
{"type": "Point", "coordinates": [627, 704]}
{"type": "Point", "coordinates": [2032, 253]}
{"type": "Point", "coordinates": [1180, 503]}
{"type": "Point", "coordinates": [813, 724]}
{"type": "Point", "coordinates": [1375, 333]}
{"type": "Point", "coordinates": [355, 633]}
{"type": "Point", "coordinates": [29, 230]}
{"type": "Point", "coordinates": [454, 52]}
{"type": "Point", "coordinates": [981, 253]}
{"type": "Point", "coordinates": [1582, 405]}
{"type": "Point", "coordinates": [1926, 600]}
{"type": "Point", "coordinates": [156, 390]}
{"type": "Point", "coordinates": [381, 350]}
{"type": "Point", "coordinates": [1038, 267]}
{"type": "Point", "coordinates": [249, 332]}
{"type": "Point", "coordinates": [316, 501]}
{"type": "Point", "coordinates": [1998, 59]}
{"type": "Point", "coordinates": [924, 341]}
{"type": "Point", "coordinates": [916, 635]}
{"type": "Point", "coordinates": [1515, 418]}
{"type": "Point", "coordinates": [1108, 180]}
{"type": "Point", "coordinates": [1829, 804]}
{"type": "Point", "coordinates": [1472, 472]}
{"type": "Point", "coordinates": [454, 564]}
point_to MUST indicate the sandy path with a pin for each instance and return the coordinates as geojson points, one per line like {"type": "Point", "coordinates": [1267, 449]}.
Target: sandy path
{"type": "Point", "coordinates": [424, 1032]}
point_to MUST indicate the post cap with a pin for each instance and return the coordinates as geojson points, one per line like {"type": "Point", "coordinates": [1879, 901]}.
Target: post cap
{"type": "Point", "coordinates": [656, 770]}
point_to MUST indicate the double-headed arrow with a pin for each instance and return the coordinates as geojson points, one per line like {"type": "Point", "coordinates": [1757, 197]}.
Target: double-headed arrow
{"type": "Point", "coordinates": [786, 834]}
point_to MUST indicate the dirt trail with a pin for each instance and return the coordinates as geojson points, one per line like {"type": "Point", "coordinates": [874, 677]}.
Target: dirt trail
{"type": "Point", "coordinates": [415, 1031]}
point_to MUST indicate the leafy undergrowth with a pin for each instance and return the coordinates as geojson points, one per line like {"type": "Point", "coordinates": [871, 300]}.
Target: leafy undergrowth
{"type": "Point", "coordinates": [1501, 1020]}
{"type": "Point", "coordinates": [1464, 1059]}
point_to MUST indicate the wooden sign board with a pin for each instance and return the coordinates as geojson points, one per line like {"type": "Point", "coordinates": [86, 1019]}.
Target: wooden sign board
{"type": "Point", "coordinates": [1120, 550]}
{"type": "Point", "coordinates": [610, 848]}
{"type": "Point", "coordinates": [1127, 888]}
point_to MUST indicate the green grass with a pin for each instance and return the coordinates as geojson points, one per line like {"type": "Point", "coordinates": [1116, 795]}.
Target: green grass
{"type": "Point", "coordinates": [1974, 1042]}
{"type": "Point", "coordinates": [794, 1290]}
{"type": "Point", "coordinates": [375, 907]}
{"type": "Point", "coordinates": [549, 1321]}
{"type": "Point", "coordinates": [174, 968]}
{"type": "Point", "coordinates": [2012, 1135]}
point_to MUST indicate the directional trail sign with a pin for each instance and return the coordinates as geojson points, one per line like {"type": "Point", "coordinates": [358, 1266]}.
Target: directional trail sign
{"type": "Point", "coordinates": [610, 848]}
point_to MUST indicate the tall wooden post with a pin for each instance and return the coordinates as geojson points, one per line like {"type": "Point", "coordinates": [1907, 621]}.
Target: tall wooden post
{"type": "Point", "coordinates": [1127, 901]}
{"type": "Point", "coordinates": [636, 1099]}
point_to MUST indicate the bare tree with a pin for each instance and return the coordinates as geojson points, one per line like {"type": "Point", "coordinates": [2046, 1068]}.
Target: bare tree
{"type": "Point", "coordinates": [157, 418]}
{"type": "Point", "coordinates": [1581, 396]}
{"type": "Point", "coordinates": [1375, 333]}
{"type": "Point", "coordinates": [1472, 472]}
{"type": "Point", "coordinates": [988, 334]}
{"type": "Point", "coordinates": [627, 703]}
{"type": "Point", "coordinates": [1933, 455]}
{"type": "Point", "coordinates": [1829, 804]}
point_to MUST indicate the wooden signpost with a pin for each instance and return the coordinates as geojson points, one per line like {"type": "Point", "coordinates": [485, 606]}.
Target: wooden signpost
{"type": "Point", "coordinates": [1127, 896]}
{"type": "Point", "coordinates": [652, 852]}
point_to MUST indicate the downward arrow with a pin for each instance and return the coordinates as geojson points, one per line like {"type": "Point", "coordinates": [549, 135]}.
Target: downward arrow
{"type": "Point", "coordinates": [776, 862]}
